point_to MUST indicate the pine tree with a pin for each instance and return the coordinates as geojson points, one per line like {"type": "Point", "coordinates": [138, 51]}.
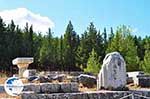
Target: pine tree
{"type": "Point", "coordinates": [46, 55]}
{"type": "Point", "coordinates": [3, 46]}
{"type": "Point", "coordinates": [70, 50]}
{"type": "Point", "coordinates": [111, 36]}
{"type": "Point", "coordinates": [37, 45]}
{"type": "Point", "coordinates": [30, 38]}
{"type": "Point", "coordinates": [70, 44]}
{"type": "Point", "coordinates": [105, 36]}
{"type": "Point", "coordinates": [123, 42]}
{"type": "Point", "coordinates": [131, 56]}
{"type": "Point", "coordinates": [55, 51]}
{"type": "Point", "coordinates": [146, 61]}
{"type": "Point", "coordinates": [61, 50]}
{"type": "Point", "coordinates": [93, 64]}
{"type": "Point", "coordinates": [91, 39]}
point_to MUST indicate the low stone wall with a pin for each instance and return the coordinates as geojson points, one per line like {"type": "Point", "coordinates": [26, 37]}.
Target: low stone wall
{"type": "Point", "coordinates": [87, 95]}
{"type": "Point", "coordinates": [51, 87]}
{"type": "Point", "coordinates": [48, 88]}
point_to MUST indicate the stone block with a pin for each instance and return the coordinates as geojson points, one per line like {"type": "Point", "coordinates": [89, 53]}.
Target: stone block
{"type": "Point", "coordinates": [50, 88]}
{"type": "Point", "coordinates": [65, 87]}
{"type": "Point", "coordinates": [29, 73]}
{"type": "Point", "coordinates": [143, 80]}
{"type": "Point", "coordinates": [32, 87]}
{"type": "Point", "coordinates": [32, 96]}
{"type": "Point", "coordinates": [87, 80]}
{"type": "Point", "coordinates": [113, 72]}
{"type": "Point", "coordinates": [74, 87]}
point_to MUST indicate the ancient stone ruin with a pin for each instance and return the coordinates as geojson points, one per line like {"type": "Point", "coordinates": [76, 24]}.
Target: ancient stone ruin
{"type": "Point", "coordinates": [22, 64]}
{"type": "Point", "coordinates": [54, 85]}
{"type": "Point", "coordinates": [113, 72]}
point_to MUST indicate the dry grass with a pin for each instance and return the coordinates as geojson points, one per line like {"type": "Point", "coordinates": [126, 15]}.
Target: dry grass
{"type": "Point", "coordinates": [6, 96]}
{"type": "Point", "coordinates": [2, 80]}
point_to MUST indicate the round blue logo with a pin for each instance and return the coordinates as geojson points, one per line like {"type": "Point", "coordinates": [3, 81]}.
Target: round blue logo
{"type": "Point", "coordinates": [13, 86]}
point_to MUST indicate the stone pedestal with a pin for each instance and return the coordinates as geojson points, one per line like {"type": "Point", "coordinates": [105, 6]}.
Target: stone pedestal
{"type": "Point", "coordinates": [113, 72]}
{"type": "Point", "coordinates": [22, 64]}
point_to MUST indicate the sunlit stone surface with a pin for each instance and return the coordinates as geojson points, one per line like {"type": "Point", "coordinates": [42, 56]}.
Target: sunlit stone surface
{"type": "Point", "coordinates": [113, 72]}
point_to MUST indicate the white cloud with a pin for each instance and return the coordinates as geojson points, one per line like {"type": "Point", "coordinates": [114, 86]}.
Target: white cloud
{"type": "Point", "coordinates": [22, 15]}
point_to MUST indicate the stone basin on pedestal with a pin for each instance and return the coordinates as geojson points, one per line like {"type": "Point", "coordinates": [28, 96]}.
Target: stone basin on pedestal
{"type": "Point", "coordinates": [22, 63]}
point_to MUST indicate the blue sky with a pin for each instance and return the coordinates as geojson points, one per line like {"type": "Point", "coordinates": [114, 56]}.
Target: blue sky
{"type": "Point", "coordinates": [104, 13]}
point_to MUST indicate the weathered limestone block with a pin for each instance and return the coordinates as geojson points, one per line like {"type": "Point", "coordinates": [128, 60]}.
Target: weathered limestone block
{"type": "Point", "coordinates": [69, 87]}
{"type": "Point", "coordinates": [32, 87]}
{"type": "Point", "coordinates": [50, 88]}
{"type": "Point", "coordinates": [22, 64]}
{"type": "Point", "coordinates": [74, 87]}
{"type": "Point", "coordinates": [29, 73]}
{"type": "Point", "coordinates": [87, 80]}
{"type": "Point", "coordinates": [66, 87]}
{"type": "Point", "coordinates": [143, 80]}
{"type": "Point", "coordinates": [34, 96]}
{"type": "Point", "coordinates": [113, 72]}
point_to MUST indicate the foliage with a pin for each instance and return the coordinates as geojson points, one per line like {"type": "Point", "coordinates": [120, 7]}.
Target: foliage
{"type": "Point", "coordinates": [70, 51]}
{"type": "Point", "coordinates": [146, 61]}
{"type": "Point", "coordinates": [93, 64]}
{"type": "Point", "coordinates": [124, 43]}
{"type": "Point", "coordinates": [70, 44]}
{"type": "Point", "coordinates": [91, 39]}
